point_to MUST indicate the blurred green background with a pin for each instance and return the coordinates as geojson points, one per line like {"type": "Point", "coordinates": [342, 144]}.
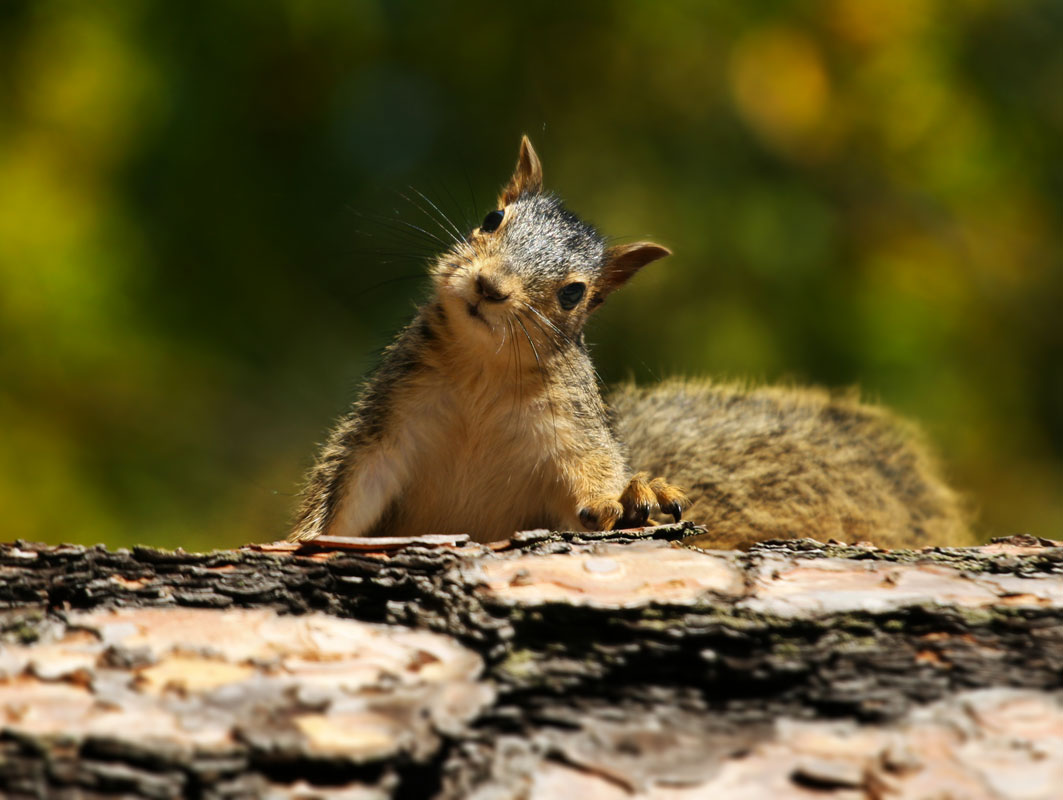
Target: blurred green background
{"type": "Point", "coordinates": [198, 257]}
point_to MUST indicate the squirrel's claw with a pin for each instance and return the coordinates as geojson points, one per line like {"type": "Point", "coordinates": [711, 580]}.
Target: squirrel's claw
{"type": "Point", "coordinates": [671, 499]}
{"type": "Point", "coordinates": [675, 510]}
{"type": "Point", "coordinates": [638, 501]}
{"type": "Point", "coordinates": [643, 498]}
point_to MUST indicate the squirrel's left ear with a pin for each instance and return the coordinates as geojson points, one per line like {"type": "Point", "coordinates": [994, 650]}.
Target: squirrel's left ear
{"type": "Point", "coordinates": [527, 177]}
{"type": "Point", "coordinates": [623, 261]}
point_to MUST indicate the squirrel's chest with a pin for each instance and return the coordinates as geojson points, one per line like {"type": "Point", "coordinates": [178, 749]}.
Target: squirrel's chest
{"type": "Point", "coordinates": [466, 434]}
{"type": "Point", "coordinates": [478, 462]}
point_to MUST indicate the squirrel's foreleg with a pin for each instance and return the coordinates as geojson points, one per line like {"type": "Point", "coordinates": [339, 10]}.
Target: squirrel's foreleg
{"type": "Point", "coordinates": [604, 499]}
{"type": "Point", "coordinates": [354, 482]}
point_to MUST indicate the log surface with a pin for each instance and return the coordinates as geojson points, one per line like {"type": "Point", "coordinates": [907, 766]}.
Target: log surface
{"type": "Point", "coordinates": [609, 665]}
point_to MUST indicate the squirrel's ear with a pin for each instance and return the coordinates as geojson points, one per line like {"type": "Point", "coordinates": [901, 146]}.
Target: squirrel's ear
{"type": "Point", "coordinates": [527, 177]}
{"type": "Point", "coordinates": [623, 261]}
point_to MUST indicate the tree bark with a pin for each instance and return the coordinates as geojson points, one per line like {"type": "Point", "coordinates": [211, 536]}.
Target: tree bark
{"type": "Point", "coordinates": [551, 665]}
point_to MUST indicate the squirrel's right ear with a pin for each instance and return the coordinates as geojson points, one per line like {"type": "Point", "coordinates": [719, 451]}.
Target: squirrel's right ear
{"type": "Point", "coordinates": [621, 262]}
{"type": "Point", "coordinates": [527, 177]}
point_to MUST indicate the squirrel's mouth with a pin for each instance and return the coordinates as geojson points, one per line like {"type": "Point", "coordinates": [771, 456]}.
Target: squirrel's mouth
{"type": "Point", "coordinates": [474, 311]}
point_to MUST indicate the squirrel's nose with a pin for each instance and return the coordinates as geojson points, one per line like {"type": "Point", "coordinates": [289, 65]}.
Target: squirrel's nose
{"type": "Point", "coordinates": [488, 290]}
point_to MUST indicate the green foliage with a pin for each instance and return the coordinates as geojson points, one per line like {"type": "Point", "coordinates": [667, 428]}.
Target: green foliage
{"type": "Point", "coordinates": [857, 192]}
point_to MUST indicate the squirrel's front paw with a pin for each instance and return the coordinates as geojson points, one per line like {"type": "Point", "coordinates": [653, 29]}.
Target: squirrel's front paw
{"type": "Point", "coordinates": [601, 513]}
{"type": "Point", "coordinates": [637, 502]}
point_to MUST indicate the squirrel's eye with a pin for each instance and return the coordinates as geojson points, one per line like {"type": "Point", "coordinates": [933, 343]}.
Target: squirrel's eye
{"type": "Point", "coordinates": [492, 221]}
{"type": "Point", "coordinates": [569, 296]}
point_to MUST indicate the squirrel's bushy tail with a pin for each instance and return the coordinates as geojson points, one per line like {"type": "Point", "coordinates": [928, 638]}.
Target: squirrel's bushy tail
{"type": "Point", "coordinates": [779, 462]}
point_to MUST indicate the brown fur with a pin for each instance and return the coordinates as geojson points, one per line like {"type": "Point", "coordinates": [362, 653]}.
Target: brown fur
{"type": "Point", "coordinates": [485, 418]}
{"type": "Point", "coordinates": [779, 463]}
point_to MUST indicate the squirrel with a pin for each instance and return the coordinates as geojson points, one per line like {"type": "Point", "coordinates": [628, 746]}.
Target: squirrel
{"type": "Point", "coordinates": [485, 417]}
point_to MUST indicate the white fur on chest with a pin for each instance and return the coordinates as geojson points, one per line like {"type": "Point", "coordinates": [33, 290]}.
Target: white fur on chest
{"type": "Point", "coordinates": [478, 459]}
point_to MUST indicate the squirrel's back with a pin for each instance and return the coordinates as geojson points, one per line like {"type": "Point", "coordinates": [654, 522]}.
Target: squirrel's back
{"type": "Point", "coordinates": [781, 462]}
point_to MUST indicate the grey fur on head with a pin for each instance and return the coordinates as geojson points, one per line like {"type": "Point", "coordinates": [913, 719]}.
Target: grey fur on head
{"type": "Point", "coordinates": [544, 239]}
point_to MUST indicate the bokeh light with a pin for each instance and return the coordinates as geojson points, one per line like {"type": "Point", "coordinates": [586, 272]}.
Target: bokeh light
{"type": "Point", "coordinates": [203, 236]}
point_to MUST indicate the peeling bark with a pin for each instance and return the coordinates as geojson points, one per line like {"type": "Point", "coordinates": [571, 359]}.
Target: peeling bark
{"type": "Point", "coordinates": [551, 665]}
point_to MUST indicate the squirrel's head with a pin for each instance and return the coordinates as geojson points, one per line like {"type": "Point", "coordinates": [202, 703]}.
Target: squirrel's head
{"type": "Point", "coordinates": [532, 270]}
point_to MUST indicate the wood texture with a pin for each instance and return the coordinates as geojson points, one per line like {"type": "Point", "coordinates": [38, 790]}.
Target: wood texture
{"type": "Point", "coordinates": [552, 665]}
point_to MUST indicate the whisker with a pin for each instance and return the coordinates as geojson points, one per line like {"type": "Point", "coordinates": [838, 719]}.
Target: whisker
{"type": "Point", "coordinates": [502, 342]}
{"type": "Point", "coordinates": [453, 234]}
{"type": "Point", "coordinates": [427, 236]}
{"type": "Point", "coordinates": [460, 261]}
{"type": "Point", "coordinates": [387, 281]}
{"type": "Point", "coordinates": [449, 238]}
{"type": "Point", "coordinates": [456, 207]}
{"type": "Point", "coordinates": [514, 355]}
{"type": "Point", "coordinates": [390, 223]}
{"type": "Point", "coordinates": [542, 373]}
{"type": "Point", "coordinates": [649, 369]}
{"type": "Point", "coordinates": [520, 377]}
{"type": "Point", "coordinates": [472, 194]}
{"type": "Point", "coordinates": [560, 333]}
{"type": "Point", "coordinates": [427, 199]}
{"type": "Point", "coordinates": [565, 363]}
{"type": "Point", "coordinates": [384, 254]}
{"type": "Point", "coordinates": [545, 319]}
{"type": "Point", "coordinates": [549, 336]}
